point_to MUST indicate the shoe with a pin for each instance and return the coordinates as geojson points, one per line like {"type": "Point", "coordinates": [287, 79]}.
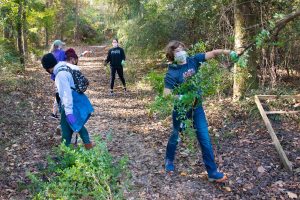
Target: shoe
{"type": "Point", "coordinates": [111, 93]}
{"type": "Point", "coordinates": [54, 116]}
{"type": "Point", "coordinates": [169, 166]}
{"type": "Point", "coordinates": [217, 177]}
{"type": "Point", "coordinates": [58, 130]}
{"type": "Point", "coordinates": [89, 146]}
{"type": "Point", "coordinates": [124, 90]}
{"type": "Point", "coordinates": [182, 127]}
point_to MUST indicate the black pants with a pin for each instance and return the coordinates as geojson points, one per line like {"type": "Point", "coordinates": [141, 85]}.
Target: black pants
{"type": "Point", "coordinates": [113, 71]}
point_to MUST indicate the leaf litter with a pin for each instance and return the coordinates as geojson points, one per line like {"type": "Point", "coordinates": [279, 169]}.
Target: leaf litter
{"type": "Point", "coordinates": [242, 145]}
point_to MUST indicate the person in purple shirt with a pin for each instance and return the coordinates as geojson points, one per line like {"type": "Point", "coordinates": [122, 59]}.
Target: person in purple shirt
{"type": "Point", "coordinates": [57, 50]}
{"type": "Point", "coordinates": [181, 66]}
{"type": "Point", "coordinates": [60, 55]}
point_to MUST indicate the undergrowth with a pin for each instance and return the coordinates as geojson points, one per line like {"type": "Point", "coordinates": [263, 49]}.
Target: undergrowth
{"type": "Point", "coordinates": [81, 174]}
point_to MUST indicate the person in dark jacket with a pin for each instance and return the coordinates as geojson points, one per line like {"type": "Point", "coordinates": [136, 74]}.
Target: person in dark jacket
{"type": "Point", "coordinates": [184, 66]}
{"type": "Point", "coordinates": [116, 59]}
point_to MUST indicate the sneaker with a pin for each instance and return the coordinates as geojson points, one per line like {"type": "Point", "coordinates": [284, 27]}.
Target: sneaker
{"type": "Point", "coordinates": [54, 116]}
{"type": "Point", "coordinates": [218, 177]}
{"type": "Point", "coordinates": [111, 93]}
{"type": "Point", "coordinates": [58, 130]}
{"type": "Point", "coordinates": [169, 166]}
{"type": "Point", "coordinates": [182, 127]}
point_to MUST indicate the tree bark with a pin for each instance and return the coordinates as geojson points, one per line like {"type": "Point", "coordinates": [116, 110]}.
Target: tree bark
{"type": "Point", "coordinates": [48, 4]}
{"type": "Point", "coordinates": [281, 24]}
{"type": "Point", "coordinates": [76, 22]}
{"type": "Point", "coordinates": [19, 34]}
{"type": "Point", "coordinates": [6, 23]}
{"type": "Point", "coordinates": [6, 30]}
{"type": "Point", "coordinates": [245, 16]}
{"type": "Point", "coordinates": [25, 44]}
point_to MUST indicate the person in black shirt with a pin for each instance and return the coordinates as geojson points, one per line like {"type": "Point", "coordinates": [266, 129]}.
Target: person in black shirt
{"type": "Point", "coordinates": [116, 58]}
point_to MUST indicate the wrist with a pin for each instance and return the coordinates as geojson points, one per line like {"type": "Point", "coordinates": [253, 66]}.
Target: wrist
{"type": "Point", "coordinates": [226, 52]}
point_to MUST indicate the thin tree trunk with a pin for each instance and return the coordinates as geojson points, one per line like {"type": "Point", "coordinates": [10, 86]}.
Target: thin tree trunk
{"type": "Point", "coordinates": [19, 34]}
{"type": "Point", "coordinates": [48, 4]}
{"type": "Point", "coordinates": [6, 31]}
{"type": "Point", "coordinates": [6, 25]}
{"type": "Point", "coordinates": [25, 45]}
{"type": "Point", "coordinates": [76, 22]}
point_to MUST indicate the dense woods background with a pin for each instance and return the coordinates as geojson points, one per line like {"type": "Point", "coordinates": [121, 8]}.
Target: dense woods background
{"type": "Point", "coordinates": [145, 27]}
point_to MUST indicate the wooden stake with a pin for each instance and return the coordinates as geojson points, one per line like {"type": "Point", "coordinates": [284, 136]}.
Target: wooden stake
{"type": "Point", "coordinates": [281, 112]}
{"type": "Point", "coordinates": [287, 164]}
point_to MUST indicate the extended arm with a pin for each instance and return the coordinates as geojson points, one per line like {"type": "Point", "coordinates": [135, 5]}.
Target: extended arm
{"type": "Point", "coordinates": [215, 53]}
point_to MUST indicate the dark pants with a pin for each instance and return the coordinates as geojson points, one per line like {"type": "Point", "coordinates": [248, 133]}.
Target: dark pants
{"type": "Point", "coordinates": [67, 132]}
{"type": "Point", "coordinates": [113, 71]}
{"type": "Point", "coordinates": [200, 124]}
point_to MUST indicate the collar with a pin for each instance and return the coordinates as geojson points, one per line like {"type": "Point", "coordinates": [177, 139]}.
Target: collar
{"type": "Point", "coordinates": [63, 64]}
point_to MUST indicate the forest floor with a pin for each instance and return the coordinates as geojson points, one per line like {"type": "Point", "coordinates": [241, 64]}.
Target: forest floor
{"type": "Point", "coordinates": [243, 147]}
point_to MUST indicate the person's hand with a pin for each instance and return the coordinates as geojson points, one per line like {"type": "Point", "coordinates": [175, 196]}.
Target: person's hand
{"type": "Point", "coordinates": [123, 63]}
{"type": "Point", "coordinates": [234, 56]}
{"type": "Point", "coordinates": [71, 118]}
{"type": "Point", "coordinates": [52, 77]}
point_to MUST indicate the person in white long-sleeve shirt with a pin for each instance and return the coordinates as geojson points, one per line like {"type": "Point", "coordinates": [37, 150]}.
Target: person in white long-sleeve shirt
{"type": "Point", "coordinates": [75, 107]}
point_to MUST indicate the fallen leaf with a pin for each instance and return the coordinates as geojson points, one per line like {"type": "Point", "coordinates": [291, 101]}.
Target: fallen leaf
{"type": "Point", "coordinates": [261, 169]}
{"type": "Point", "coordinates": [227, 189]}
{"type": "Point", "coordinates": [292, 195]}
{"type": "Point", "coordinates": [279, 183]}
{"type": "Point", "coordinates": [183, 174]}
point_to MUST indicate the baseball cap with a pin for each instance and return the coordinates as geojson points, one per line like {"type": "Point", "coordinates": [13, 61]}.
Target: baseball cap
{"type": "Point", "coordinates": [58, 43]}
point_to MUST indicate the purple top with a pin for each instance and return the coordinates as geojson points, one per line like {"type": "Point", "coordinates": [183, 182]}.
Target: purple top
{"type": "Point", "coordinates": [59, 55]}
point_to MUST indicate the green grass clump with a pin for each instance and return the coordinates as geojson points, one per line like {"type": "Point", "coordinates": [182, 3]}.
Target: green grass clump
{"type": "Point", "coordinates": [81, 174]}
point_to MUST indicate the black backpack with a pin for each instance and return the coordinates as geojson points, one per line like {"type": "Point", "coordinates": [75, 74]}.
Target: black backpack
{"type": "Point", "coordinates": [80, 81]}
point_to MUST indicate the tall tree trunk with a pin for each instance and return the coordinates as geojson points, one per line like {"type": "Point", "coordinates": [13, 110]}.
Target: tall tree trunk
{"type": "Point", "coordinates": [25, 44]}
{"type": "Point", "coordinates": [76, 22]}
{"type": "Point", "coordinates": [244, 78]}
{"type": "Point", "coordinates": [62, 20]}
{"type": "Point", "coordinates": [46, 37]}
{"type": "Point", "coordinates": [6, 24]}
{"type": "Point", "coordinates": [19, 34]}
{"type": "Point", "coordinates": [48, 4]}
{"type": "Point", "coordinates": [6, 30]}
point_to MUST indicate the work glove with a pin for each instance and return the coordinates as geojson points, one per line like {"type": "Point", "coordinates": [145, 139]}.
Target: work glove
{"type": "Point", "coordinates": [52, 77]}
{"type": "Point", "coordinates": [71, 118]}
{"type": "Point", "coordinates": [234, 56]}
{"type": "Point", "coordinates": [123, 63]}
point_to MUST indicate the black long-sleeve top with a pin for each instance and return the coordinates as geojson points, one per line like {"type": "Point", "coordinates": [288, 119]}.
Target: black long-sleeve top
{"type": "Point", "coordinates": [115, 57]}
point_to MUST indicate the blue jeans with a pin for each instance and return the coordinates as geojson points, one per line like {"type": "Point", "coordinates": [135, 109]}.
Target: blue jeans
{"type": "Point", "coordinates": [200, 124]}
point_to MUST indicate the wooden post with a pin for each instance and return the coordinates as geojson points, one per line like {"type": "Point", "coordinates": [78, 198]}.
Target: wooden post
{"type": "Point", "coordinates": [287, 164]}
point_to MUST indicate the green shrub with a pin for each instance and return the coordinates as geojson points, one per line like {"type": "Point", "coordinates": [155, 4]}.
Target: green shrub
{"type": "Point", "coordinates": [211, 80]}
{"type": "Point", "coordinates": [9, 58]}
{"type": "Point", "coordinates": [156, 80]}
{"type": "Point", "coordinates": [78, 173]}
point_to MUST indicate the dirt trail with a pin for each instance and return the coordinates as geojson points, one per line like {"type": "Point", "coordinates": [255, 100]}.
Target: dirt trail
{"type": "Point", "coordinates": [242, 145]}
{"type": "Point", "coordinates": [142, 139]}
